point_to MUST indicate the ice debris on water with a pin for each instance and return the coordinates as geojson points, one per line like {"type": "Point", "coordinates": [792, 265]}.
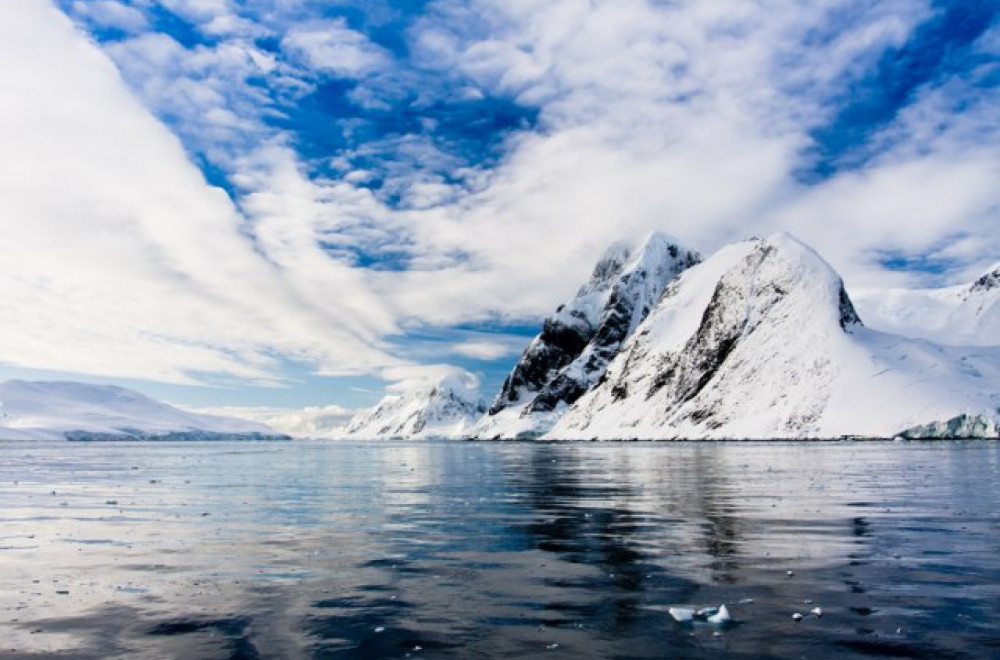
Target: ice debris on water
{"type": "Point", "coordinates": [721, 615]}
{"type": "Point", "coordinates": [681, 614]}
{"type": "Point", "coordinates": [796, 617]}
{"type": "Point", "coordinates": [816, 611]}
{"type": "Point", "coordinates": [717, 615]}
{"type": "Point", "coordinates": [380, 629]}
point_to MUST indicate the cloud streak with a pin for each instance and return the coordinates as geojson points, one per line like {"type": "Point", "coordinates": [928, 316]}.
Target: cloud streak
{"type": "Point", "coordinates": [118, 258]}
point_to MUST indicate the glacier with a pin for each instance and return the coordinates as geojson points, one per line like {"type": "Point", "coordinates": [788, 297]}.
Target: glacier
{"type": "Point", "coordinates": [79, 411]}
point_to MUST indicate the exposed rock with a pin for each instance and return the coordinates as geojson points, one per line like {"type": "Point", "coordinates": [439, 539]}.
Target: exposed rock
{"type": "Point", "coordinates": [582, 337]}
{"type": "Point", "coordinates": [989, 281]}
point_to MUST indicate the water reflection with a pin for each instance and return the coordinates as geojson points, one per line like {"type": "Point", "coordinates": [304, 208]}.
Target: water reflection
{"type": "Point", "coordinates": [469, 550]}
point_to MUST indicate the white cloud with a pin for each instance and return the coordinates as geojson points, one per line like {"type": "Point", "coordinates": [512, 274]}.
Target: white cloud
{"type": "Point", "coordinates": [206, 91]}
{"type": "Point", "coordinates": [309, 422]}
{"type": "Point", "coordinates": [689, 117]}
{"type": "Point", "coordinates": [118, 259]}
{"type": "Point", "coordinates": [485, 350]}
{"type": "Point", "coordinates": [198, 11]}
{"type": "Point", "coordinates": [112, 14]}
{"type": "Point", "coordinates": [407, 378]}
{"type": "Point", "coordinates": [332, 47]}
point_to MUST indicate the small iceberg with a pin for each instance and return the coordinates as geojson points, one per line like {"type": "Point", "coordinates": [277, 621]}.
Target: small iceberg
{"type": "Point", "coordinates": [714, 615]}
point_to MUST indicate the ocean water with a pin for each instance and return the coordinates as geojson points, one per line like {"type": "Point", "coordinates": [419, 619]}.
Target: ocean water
{"type": "Point", "coordinates": [503, 550]}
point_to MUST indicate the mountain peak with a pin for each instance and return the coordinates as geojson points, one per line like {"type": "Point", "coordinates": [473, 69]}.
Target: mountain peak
{"type": "Point", "coordinates": [762, 341]}
{"type": "Point", "coordinates": [989, 280]}
{"type": "Point", "coordinates": [811, 269]}
{"type": "Point", "coordinates": [445, 407]}
{"type": "Point", "coordinates": [579, 339]}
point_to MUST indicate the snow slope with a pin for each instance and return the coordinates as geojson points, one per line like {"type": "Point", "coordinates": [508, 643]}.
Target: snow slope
{"type": "Point", "coordinates": [583, 335]}
{"type": "Point", "coordinates": [959, 315]}
{"type": "Point", "coordinates": [79, 411]}
{"type": "Point", "coordinates": [444, 409]}
{"type": "Point", "coordinates": [761, 341]}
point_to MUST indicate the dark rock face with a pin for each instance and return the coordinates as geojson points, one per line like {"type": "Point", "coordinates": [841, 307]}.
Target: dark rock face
{"type": "Point", "coordinates": [571, 353]}
{"type": "Point", "coordinates": [694, 367]}
{"type": "Point", "coordinates": [554, 348]}
{"type": "Point", "coordinates": [848, 315]}
{"type": "Point", "coordinates": [725, 322]}
{"type": "Point", "coordinates": [988, 282]}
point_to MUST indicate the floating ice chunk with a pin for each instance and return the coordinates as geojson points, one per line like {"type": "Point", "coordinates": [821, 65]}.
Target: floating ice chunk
{"type": "Point", "coordinates": [721, 616]}
{"type": "Point", "coordinates": [682, 614]}
{"type": "Point", "coordinates": [715, 615]}
{"type": "Point", "coordinates": [816, 611]}
{"type": "Point", "coordinates": [796, 617]}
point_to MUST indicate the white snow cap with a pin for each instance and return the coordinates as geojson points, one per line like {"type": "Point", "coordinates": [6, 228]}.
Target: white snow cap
{"type": "Point", "coordinates": [438, 401]}
{"type": "Point", "coordinates": [761, 341]}
{"type": "Point", "coordinates": [57, 409]}
{"type": "Point", "coordinates": [962, 315]}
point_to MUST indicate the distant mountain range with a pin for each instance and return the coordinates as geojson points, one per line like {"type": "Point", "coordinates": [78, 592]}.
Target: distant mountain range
{"type": "Point", "coordinates": [759, 341]}
{"type": "Point", "coordinates": [78, 411]}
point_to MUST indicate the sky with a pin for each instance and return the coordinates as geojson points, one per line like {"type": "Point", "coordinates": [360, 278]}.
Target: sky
{"type": "Point", "coordinates": [302, 203]}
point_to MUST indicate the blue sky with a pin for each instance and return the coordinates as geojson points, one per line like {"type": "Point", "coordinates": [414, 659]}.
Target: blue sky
{"type": "Point", "coordinates": [291, 203]}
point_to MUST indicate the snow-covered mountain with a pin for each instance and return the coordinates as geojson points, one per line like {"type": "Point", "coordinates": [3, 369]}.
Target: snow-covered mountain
{"type": "Point", "coordinates": [583, 335]}
{"type": "Point", "coordinates": [447, 408]}
{"type": "Point", "coordinates": [762, 341]}
{"type": "Point", "coordinates": [967, 314]}
{"type": "Point", "coordinates": [79, 411]}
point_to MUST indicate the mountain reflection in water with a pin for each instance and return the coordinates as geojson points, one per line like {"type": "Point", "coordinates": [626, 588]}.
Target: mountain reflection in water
{"type": "Point", "coordinates": [476, 550]}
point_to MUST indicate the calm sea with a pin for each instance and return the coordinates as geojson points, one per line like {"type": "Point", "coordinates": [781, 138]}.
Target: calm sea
{"type": "Point", "coordinates": [505, 550]}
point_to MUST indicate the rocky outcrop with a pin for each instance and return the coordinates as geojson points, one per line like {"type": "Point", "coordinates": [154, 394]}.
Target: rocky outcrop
{"type": "Point", "coordinates": [584, 334]}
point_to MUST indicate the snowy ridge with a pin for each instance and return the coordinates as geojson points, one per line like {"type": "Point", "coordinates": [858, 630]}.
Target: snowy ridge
{"type": "Point", "coordinates": [584, 334]}
{"type": "Point", "coordinates": [958, 315]}
{"type": "Point", "coordinates": [447, 408]}
{"type": "Point", "coordinates": [761, 341]}
{"type": "Point", "coordinates": [79, 411]}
